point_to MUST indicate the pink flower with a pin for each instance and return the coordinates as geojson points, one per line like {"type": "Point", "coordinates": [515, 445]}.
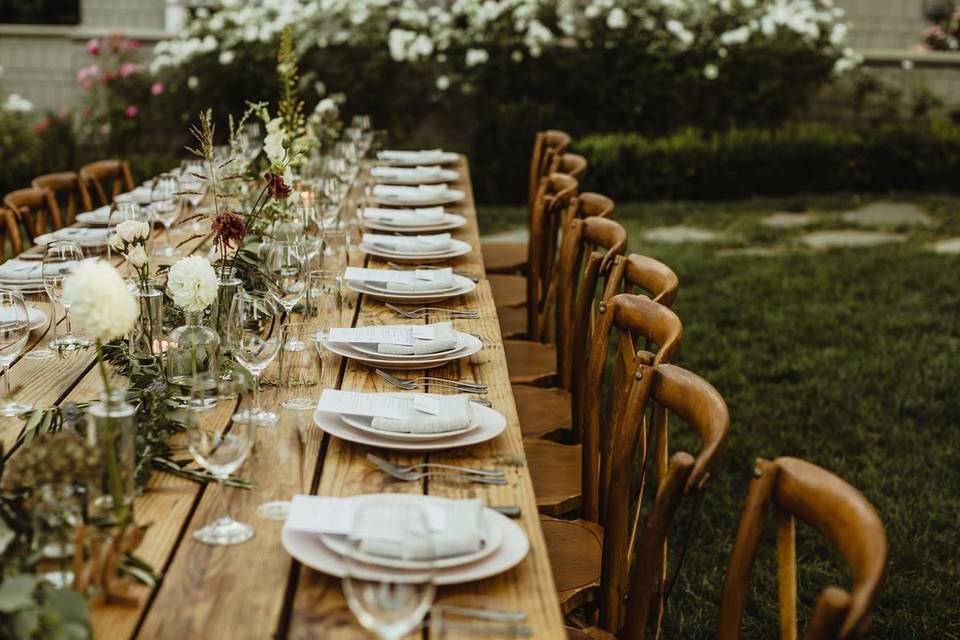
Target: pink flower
{"type": "Point", "coordinates": [133, 44]}
{"type": "Point", "coordinates": [93, 47]}
{"type": "Point", "coordinates": [41, 126]}
{"type": "Point", "coordinates": [132, 111]}
{"type": "Point", "coordinates": [156, 88]}
{"type": "Point", "coordinates": [127, 69]}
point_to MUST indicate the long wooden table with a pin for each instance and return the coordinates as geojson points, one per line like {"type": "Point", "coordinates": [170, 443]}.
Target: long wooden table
{"type": "Point", "coordinates": [256, 590]}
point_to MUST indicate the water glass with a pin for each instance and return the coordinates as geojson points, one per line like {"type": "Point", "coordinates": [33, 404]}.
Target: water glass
{"type": "Point", "coordinates": [324, 298]}
{"type": "Point", "coordinates": [165, 204]}
{"type": "Point", "coordinates": [300, 367]}
{"type": "Point", "coordinates": [255, 337]}
{"type": "Point", "coordinates": [58, 259]}
{"type": "Point", "coordinates": [14, 331]}
{"type": "Point", "coordinates": [285, 270]}
{"type": "Point", "coordinates": [390, 604]}
{"type": "Point", "coordinates": [335, 250]}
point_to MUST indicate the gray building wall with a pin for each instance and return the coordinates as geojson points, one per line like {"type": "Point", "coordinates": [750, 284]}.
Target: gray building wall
{"type": "Point", "coordinates": [884, 24]}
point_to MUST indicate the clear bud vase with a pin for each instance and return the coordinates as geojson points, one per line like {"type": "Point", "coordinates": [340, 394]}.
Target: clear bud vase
{"type": "Point", "coordinates": [193, 352]}
{"type": "Point", "coordinates": [112, 428]}
{"type": "Point", "coordinates": [146, 337]}
{"type": "Point", "coordinates": [229, 286]}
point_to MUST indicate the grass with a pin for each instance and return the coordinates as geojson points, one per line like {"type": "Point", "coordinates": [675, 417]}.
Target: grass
{"type": "Point", "coordinates": [848, 359]}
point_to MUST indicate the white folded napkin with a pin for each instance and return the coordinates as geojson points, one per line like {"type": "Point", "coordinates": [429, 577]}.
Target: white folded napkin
{"type": "Point", "coordinates": [444, 339]}
{"type": "Point", "coordinates": [462, 534]}
{"type": "Point", "coordinates": [16, 270]}
{"type": "Point", "coordinates": [424, 156]}
{"type": "Point", "coordinates": [411, 174]}
{"type": "Point", "coordinates": [80, 235]}
{"type": "Point", "coordinates": [425, 280]}
{"type": "Point", "coordinates": [436, 243]}
{"type": "Point", "coordinates": [100, 214]}
{"type": "Point", "coordinates": [406, 217]}
{"type": "Point", "coordinates": [420, 193]}
{"type": "Point", "coordinates": [455, 413]}
{"type": "Point", "coordinates": [139, 195]}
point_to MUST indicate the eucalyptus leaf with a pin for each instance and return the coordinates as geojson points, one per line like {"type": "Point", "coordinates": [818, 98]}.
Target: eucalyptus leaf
{"type": "Point", "coordinates": [17, 593]}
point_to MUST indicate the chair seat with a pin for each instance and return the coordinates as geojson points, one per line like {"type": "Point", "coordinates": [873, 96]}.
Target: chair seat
{"type": "Point", "coordinates": [508, 290]}
{"type": "Point", "coordinates": [575, 548]}
{"type": "Point", "coordinates": [555, 471]}
{"type": "Point", "coordinates": [530, 362]}
{"type": "Point", "coordinates": [502, 257]}
{"type": "Point", "coordinates": [542, 411]}
{"type": "Point", "coordinates": [513, 322]}
{"type": "Point", "coordinates": [590, 633]}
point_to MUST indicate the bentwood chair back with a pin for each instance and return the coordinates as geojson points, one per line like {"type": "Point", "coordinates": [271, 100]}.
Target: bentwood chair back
{"type": "Point", "coordinates": [572, 164]}
{"type": "Point", "coordinates": [65, 186]}
{"type": "Point", "coordinates": [9, 234]}
{"type": "Point", "coordinates": [33, 206]}
{"type": "Point", "coordinates": [546, 146]}
{"type": "Point", "coordinates": [101, 181]}
{"type": "Point", "coordinates": [682, 476]}
{"type": "Point", "coordinates": [799, 489]}
{"type": "Point", "coordinates": [556, 194]}
{"type": "Point", "coordinates": [641, 274]}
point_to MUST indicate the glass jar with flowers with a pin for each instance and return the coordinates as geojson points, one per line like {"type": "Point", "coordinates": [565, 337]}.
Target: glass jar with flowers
{"type": "Point", "coordinates": [130, 241]}
{"type": "Point", "coordinates": [229, 229]}
{"type": "Point", "coordinates": [193, 350]}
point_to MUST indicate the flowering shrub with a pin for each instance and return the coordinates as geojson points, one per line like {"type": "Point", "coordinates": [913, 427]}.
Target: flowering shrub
{"type": "Point", "coordinates": [944, 34]}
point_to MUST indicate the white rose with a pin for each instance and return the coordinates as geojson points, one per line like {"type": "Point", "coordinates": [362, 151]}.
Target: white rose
{"type": "Point", "coordinates": [132, 231]}
{"type": "Point", "coordinates": [117, 243]}
{"type": "Point", "coordinates": [100, 303]}
{"type": "Point", "coordinates": [192, 283]}
{"type": "Point", "coordinates": [137, 257]}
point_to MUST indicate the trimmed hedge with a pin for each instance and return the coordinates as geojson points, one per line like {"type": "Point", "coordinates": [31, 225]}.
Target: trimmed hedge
{"type": "Point", "coordinates": [794, 159]}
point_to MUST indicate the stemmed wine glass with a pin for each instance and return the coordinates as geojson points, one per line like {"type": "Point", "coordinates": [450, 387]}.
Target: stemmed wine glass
{"type": "Point", "coordinates": [220, 449]}
{"type": "Point", "coordinates": [285, 268]}
{"type": "Point", "coordinates": [255, 337]}
{"type": "Point", "coordinates": [254, 137]}
{"type": "Point", "coordinates": [166, 208]}
{"type": "Point", "coordinates": [390, 604]}
{"type": "Point", "coordinates": [14, 330]}
{"type": "Point", "coordinates": [58, 258]}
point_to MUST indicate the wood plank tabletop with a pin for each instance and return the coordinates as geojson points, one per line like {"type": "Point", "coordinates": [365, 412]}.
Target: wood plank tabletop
{"type": "Point", "coordinates": [255, 589]}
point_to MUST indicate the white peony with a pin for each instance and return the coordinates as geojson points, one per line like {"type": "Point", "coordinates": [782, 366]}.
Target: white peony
{"type": "Point", "coordinates": [100, 303]}
{"type": "Point", "coordinates": [192, 283]}
{"type": "Point", "coordinates": [137, 257]}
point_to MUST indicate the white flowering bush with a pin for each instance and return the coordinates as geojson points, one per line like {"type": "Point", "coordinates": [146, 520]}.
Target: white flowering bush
{"type": "Point", "coordinates": [499, 69]}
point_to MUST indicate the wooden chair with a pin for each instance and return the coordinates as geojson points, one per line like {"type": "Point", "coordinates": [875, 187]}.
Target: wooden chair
{"type": "Point", "coordinates": [536, 361]}
{"type": "Point", "coordinates": [572, 164]}
{"type": "Point", "coordinates": [556, 193]}
{"type": "Point", "coordinates": [65, 187]}
{"type": "Point", "coordinates": [590, 247]}
{"type": "Point", "coordinates": [799, 489]}
{"type": "Point", "coordinates": [9, 234]}
{"type": "Point", "coordinates": [502, 257]}
{"type": "Point", "coordinates": [107, 179]}
{"type": "Point", "coordinates": [33, 207]}
{"type": "Point", "coordinates": [556, 468]}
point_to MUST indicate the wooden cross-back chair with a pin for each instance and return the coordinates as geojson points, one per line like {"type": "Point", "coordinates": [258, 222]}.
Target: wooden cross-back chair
{"type": "Point", "coordinates": [514, 321]}
{"type": "Point", "coordinates": [65, 186]}
{"type": "Point", "coordinates": [504, 257]}
{"type": "Point", "coordinates": [9, 235]}
{"type": "Point", "coordinates": [799, 489]}
{"type": "Point", "coordinates": [555, 195]}
{"type": "Point", "coordinates": [36, 209]}
{"type": "Point", "coordinates": [572, 164]}
{"type": "Point", "coordinates": [103, 180]}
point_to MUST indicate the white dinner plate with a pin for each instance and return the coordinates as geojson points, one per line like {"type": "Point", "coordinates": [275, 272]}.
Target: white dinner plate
{"type": "Point", "coordinates": [309, 550]}
{"type": "Point", "coordinates": [35, 317]}
{"type": "Point", "coordinates": [426, 200]}
{"type": "Point", "coordinates": [490, 424]}
{"type": "Point", "coordinates": [98, 216]}
{"type": "Point", "coordinates": [447, 157]}
{"type": "Point", "coordinates": [445, 175]}
{"type": "Point", "coordinates": [463, 287]}
{"type": "Point", "coordinates": [372, 350]}
{"type": "Point", "coordinates": [469, 346]}
{"type": "Point", "coordinates": [457, 248]}
{"type": "Point", "coordinates": [362, 423]}
{"type": "Point", "coordinates": [451, 221]}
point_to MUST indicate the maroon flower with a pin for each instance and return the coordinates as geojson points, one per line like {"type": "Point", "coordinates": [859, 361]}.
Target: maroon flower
{"type": "Point", "coordinates": [229, 228]}
{"type": "Point", "coordinates": [279, 190]}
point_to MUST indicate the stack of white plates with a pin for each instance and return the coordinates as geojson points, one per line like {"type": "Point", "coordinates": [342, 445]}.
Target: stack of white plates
{"type": "Point", "coordinates": [367, 354]}
{"type": "Point", "coordinates": [378, 290]}
{"type": "Point", "coordinates": [503, 546]}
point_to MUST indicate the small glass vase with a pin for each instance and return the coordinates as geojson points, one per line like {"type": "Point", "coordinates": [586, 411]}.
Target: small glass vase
{"type": "Point", "coordinates": [193, 352]}
{"type": "Point", "coordinates": [112, 427]}
{"type": "Point", "coordinates": [229, 286]}
{"type": "Point", "coordinates": [146, 336]}
{"type": "Point", "coordinates": [56, 512]}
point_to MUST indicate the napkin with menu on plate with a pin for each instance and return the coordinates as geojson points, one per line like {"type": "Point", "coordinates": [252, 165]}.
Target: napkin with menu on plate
{"type": "Point", "coordinates": [423, 192]}
{"type": "Point", "coordinates": [407, 173]}
{"type": "Point", "coordinates": [455, 526]}
{"type": "Point", "coordinates": [421, 413]}
{"type": "Point", "coordinates": [401, 339]}
{"type": "Point", "coordinates": [15, 270]}
{"type": "Point", "coordinates": [424, 156]}
{"type": "Point", "coordinates": [435, 243]}
{"type": "Point", "coordinates": [405, 217]}
{"type": "Point", "coordinates": [404, 281]}
{"type": "Point", "coordinates": [83, 236]}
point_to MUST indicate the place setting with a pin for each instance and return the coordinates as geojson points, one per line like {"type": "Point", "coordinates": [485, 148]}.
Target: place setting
{"type": "Point", "coordinates": [408, 287]}
{"type": "Point", "coordinates": [87, 238]}
{"type": "Point", "coordinates": [412, 175]}
{"type": "Point", "coordinates": [423, 248]}
{"type": "Point", "coordinates": [422, 195]}
{"type": "Point", "coordinates": [401, 346]}
{"type": "Point", "coordinates": [413, 220]}
{"type": "Point", "coordinates": [418, 158]}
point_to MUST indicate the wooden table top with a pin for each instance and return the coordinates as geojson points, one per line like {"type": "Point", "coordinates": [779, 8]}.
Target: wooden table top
{"type": "Point", "coordinates": [255, 589]}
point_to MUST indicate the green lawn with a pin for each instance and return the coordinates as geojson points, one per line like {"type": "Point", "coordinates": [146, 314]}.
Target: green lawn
{"type": "Point", "coordinates": [848, 359]}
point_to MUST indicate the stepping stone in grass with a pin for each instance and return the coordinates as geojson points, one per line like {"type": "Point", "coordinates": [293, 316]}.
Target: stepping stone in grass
{"type": "Point", "coordinates": [849, 238]}
{"type": "Point", "coordinates": [752, 252]}
{"type": "Point", "coordinates": [948, 246]}
{"type": "Point", "coordinates": [785, 220]}
{"type": "Point", "coordinates": [681, 234]}
{"type": "Point", "coordinates": [889, 214]}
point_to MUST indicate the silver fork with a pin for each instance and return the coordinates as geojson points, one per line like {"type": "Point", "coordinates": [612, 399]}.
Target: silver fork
{"type": "Point", "coordinates": [414, 476]}
{"type": "Point", "coordinates": [402, 267]}
{"type": "Point", "coordinates": [423, 381]}
{"type": "Point", "coordinates": [386, 465]}
{"type": "Point", "coordinates": [419, 312]}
